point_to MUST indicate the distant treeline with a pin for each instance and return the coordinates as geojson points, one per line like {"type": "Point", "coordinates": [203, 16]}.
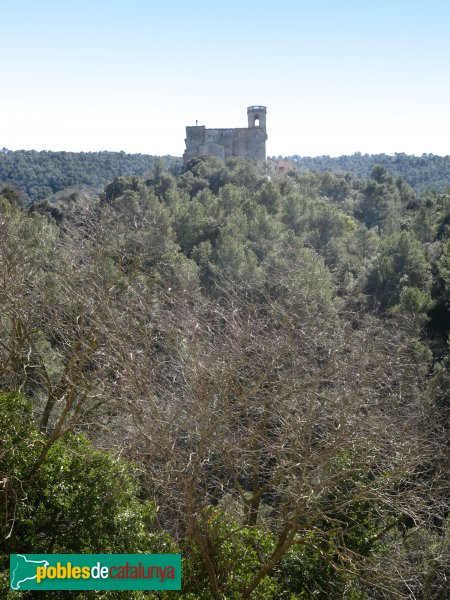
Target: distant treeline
{"type": "Point", "coordinates": [425, 172]}
{"type": "Point", "coordinates": [39, 175]}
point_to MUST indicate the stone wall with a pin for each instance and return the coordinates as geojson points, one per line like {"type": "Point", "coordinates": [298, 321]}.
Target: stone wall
{"type": "Point", "coordinates": [248, 142]}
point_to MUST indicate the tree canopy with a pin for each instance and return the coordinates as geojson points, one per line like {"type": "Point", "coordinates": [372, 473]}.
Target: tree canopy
{"type": "Point", "coordinates": [261, 362]}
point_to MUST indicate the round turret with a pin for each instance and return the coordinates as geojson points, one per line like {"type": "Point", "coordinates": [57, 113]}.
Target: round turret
{"type": "Point", "coordinates": [257, 116]}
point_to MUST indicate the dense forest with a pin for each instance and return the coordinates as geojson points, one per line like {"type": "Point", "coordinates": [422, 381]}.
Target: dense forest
{"type": "Point", "coordinates": [426, 172]}
{"type": "Point", "coordinates": [42, 175]}
{"type": "Point", "coordinates": [251, 371]}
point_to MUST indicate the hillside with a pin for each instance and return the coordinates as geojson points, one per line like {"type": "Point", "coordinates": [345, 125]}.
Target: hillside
{"type": "Point", "coordinates": [39, 175]}
{"type": "Point", "coordinates": [426, 172]}
{"type": "Point", "coordinates": [253, 373]}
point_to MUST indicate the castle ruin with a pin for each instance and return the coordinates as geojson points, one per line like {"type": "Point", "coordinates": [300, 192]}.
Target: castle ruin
{"type": "Point", "coordinates": [247, 142]}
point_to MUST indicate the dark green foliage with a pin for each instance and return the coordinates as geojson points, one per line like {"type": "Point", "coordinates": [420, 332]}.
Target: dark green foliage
{"type": "Point", "coordinates": [380, 199]}
{"type": "Point", "coordinates": [401, 263]}
{"type": "Point", "coordinates": [309, 569]}
{"type": "Point", "coordinates": [81, 500]}
{"type": "Point", "coordinates": [119, 186]}
{"type": "Point", "coordinates": [42, 174]}
{"type": "Point", "coordinates": [421, 172]}
{"type": "Point", "coordinates": [271, 352]}
{"type": "Point", "coordinates": [237, 550]}
{"type": "Point", "coordinates": [10, 194]}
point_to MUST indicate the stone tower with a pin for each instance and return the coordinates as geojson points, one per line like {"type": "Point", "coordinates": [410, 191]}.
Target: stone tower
{"type": "Point", "coordinates": [257, 116]}
{"type": "Point", "coordinates": [248, 142]}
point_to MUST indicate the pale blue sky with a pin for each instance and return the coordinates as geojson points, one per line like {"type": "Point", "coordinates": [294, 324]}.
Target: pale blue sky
{"type": "Point", "coordinates": [337, 77]}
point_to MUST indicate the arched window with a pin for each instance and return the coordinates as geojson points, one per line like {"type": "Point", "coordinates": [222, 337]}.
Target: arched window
{"type": "Point", "coordinates": [256, 123]}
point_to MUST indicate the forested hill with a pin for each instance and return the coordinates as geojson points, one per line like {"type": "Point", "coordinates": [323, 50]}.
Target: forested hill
{"type": "Point", "coordinates": [425, 172]}
{"type": "Point", "coordinates": [252, 373]}
{"type": "Point", "coordinates": [42, 174]}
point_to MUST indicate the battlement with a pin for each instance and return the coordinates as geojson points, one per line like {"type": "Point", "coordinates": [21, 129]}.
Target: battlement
{"type": "Point", "coordinates": [248, 142]}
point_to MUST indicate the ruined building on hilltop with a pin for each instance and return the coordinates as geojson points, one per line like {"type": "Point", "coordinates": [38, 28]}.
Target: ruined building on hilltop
{"type": "Point", "coordinates": [248, 142]}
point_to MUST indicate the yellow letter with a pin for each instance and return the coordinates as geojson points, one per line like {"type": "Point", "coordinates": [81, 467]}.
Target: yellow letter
{"type": "Point", "coordinates": [76, 572]}
{"type": "Point", "coordinates": [41, 573]}
{"type": "Point", "coordinates": [85, 572]}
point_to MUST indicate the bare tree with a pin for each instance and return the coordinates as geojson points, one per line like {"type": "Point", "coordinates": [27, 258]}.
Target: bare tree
{"type": "Point", "coordinates": [284, 414]}
{"type": "Point", "coordinates": [287, 421]}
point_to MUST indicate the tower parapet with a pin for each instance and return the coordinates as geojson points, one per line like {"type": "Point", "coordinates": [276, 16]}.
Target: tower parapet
{"type": "Point", "coordinates": [257, 116]}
